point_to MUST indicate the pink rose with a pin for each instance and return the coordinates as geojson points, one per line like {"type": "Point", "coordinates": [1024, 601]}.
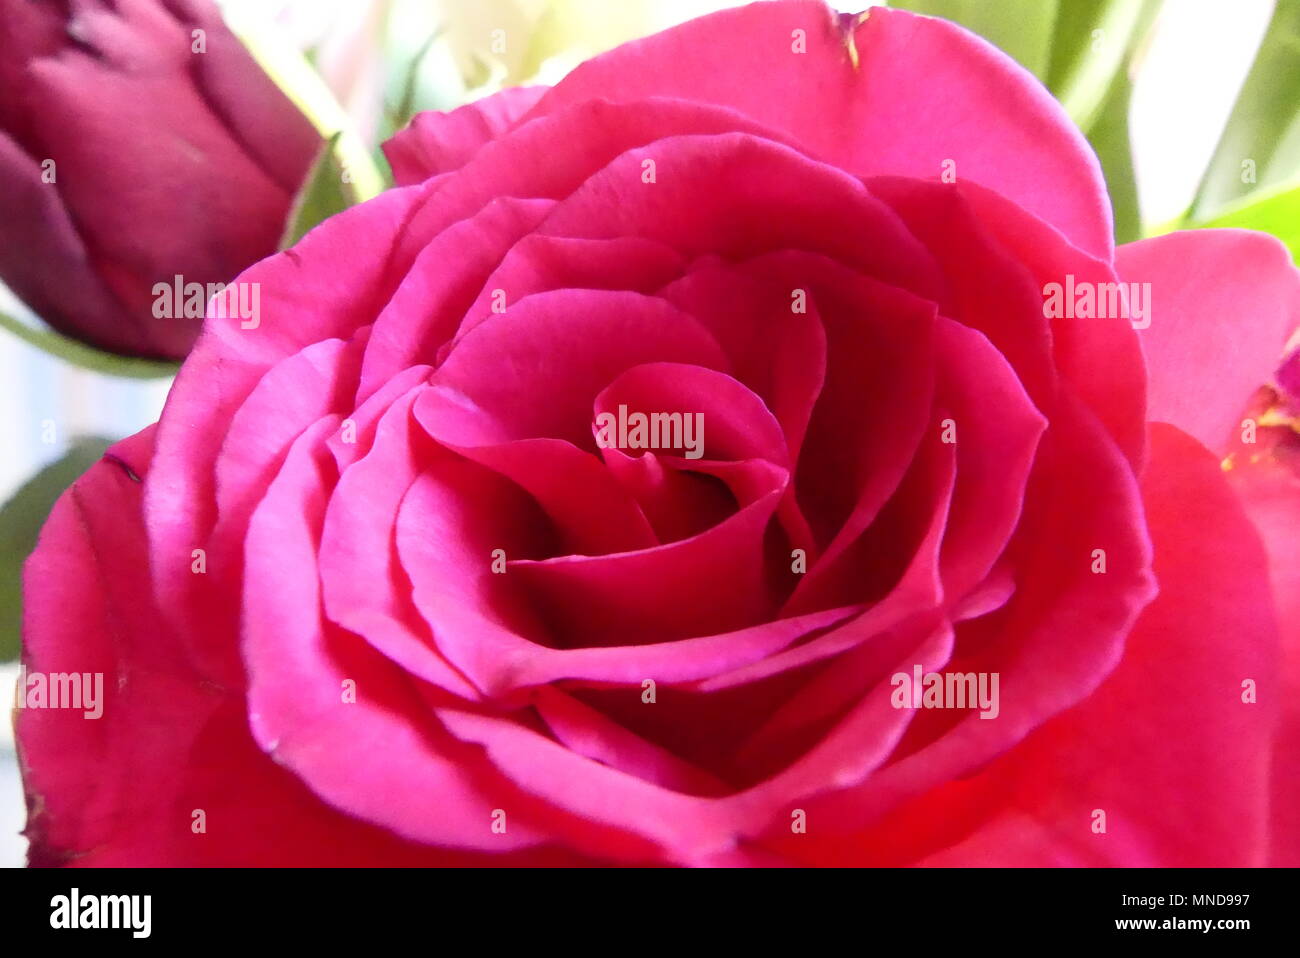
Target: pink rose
{"type": "Point", "coordinates": [397, 580]}
{"type": "Point", "coordinates": [139, 141]}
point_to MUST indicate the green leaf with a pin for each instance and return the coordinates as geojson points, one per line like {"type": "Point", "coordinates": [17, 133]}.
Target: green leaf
{"type": "Point", "coordinates": [409, 95]}
{"type": "Point", "coordinates": [1264, 126]}
{"type": "Point", "coordinates": [1110, 138]}
{"type": "Point", "coordinates": [87, 357]}
{"type": "Point", "coordinates": [21, 519]}
{"type": "Point", "coordinates": [1106, 123]}
{"type": "Point", "coordinates": [1021, 28]}
{"type": "Point", "coordinates": [1092, 46]}
{"type": "Point", "coordinates": [328, 189]}
{"type": "Point", "coordinates": [1277, 213]}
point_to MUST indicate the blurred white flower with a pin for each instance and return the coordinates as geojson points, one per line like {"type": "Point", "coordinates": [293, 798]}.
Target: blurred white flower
{"type": "Point", "coordinates": [508, 42]}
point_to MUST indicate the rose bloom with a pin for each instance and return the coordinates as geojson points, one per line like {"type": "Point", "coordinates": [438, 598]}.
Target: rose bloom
{"type": "Point", "coordinates": [372, 592]}
{"type": "Point", "coordinates": [133, 150]}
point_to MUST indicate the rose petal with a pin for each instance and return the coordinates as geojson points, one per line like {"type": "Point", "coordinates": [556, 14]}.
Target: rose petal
{"type": "Point", "coordinates": [1166, 747]}
{"type": "Point", "coordinates": [977, 107]}
{"type": "Point", "coordinates": [299, 669]}
{"type": "Point", "coordinates": [1222, 304]}
{"type": "Point", "coordinates": [1270, 494]}
{"type": "Point", "coordinates": [122, 790]}
{"type": "Point", "coordinates": [439, 142]}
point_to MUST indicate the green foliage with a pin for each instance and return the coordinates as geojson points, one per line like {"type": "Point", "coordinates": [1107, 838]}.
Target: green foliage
{"type": "Point", "coordinates": [21, 519]}
{"type": "Point", "coordinates": [1264, 127]}
{"type": "Point", "coordinates": [87, 357]}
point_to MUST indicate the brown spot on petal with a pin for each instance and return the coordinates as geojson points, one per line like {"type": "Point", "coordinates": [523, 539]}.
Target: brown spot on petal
{"type": "Point", "coordinates": [131, 474]}
{"type": "Point", "coordinates": [848, 24]}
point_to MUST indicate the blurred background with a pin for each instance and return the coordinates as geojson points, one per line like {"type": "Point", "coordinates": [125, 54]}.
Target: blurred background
{"type": "Point", "coordinates": [1161, 89]}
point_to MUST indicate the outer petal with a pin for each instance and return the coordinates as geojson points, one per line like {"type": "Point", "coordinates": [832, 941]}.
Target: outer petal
{"type": "Point", "coordinates": [853, 98]}
{"type": "Point", "coordinates": [437, 142]}
{"type": "Point", "coordinates": [1221, 305]}
{"type": "Point", "coordinates": [1165, 747]}
{"type": "Point", "coordinates": [122, 790]}
{"type": "Point", "coordinates": [1270, 492]}
{"type": "Point", "coordinates": [325, 287]}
